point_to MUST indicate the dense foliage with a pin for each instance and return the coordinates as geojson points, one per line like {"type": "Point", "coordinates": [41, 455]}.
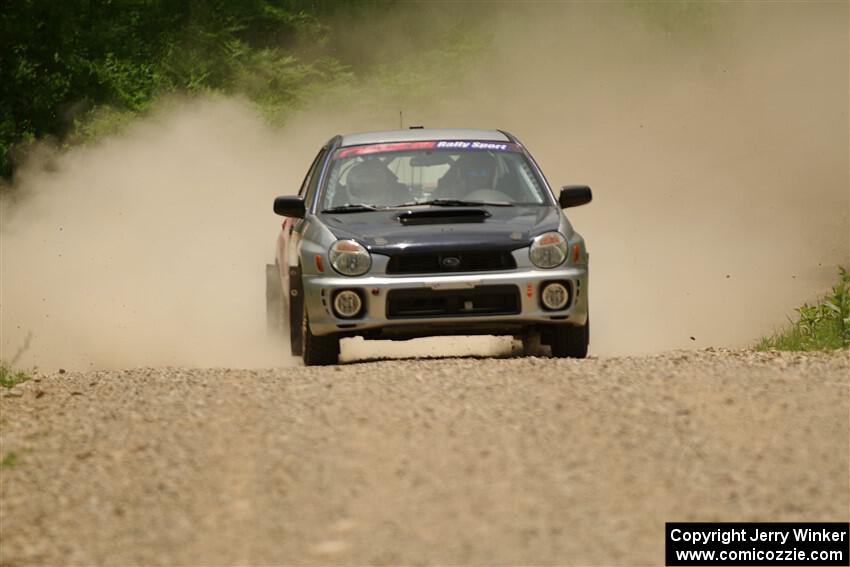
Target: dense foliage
{"type": "Point", "coordinates": [73, 70]}
{"type": "Point", "coordinates": [62, 61]}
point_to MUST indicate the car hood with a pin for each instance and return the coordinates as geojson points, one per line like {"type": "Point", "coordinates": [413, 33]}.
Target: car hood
{"type": "Point", "coordinates": [421, 229]}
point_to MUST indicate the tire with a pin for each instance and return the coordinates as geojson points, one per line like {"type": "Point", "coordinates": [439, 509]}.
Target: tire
{"type": "Point", "coordinates": [274, 300]}
{"type": "Point", "coordinates": [317, 351]}
{"type": "Point", "coordinates": [570, 342]}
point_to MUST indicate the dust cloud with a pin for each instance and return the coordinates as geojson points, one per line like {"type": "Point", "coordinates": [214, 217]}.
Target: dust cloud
{"type": "Point", "coordinates": [718, 158]}
{"type": "Point", "coordinates": [149, 248]}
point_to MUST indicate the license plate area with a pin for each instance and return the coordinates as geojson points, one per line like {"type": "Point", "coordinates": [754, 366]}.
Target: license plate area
{"type": "Point", "coordinates": [478, 301]}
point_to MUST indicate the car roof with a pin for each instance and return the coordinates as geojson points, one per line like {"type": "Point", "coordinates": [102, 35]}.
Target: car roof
{"type": "Point", "coordinates": [422, 134]}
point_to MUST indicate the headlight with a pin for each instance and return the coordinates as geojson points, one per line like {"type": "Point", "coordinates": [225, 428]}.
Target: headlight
{"type": "Point", "coordinates": [548, 250]}
{"type": "Point", "coordinates": [349, 258]}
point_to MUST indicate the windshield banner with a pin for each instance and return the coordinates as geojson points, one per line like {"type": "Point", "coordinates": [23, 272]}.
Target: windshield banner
{"type": "Point", "coordinates": [465, 145]}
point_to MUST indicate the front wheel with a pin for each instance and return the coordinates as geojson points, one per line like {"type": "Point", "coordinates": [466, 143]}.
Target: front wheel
{"type": "Point", "coordinates": [317, 351]}
{"type": "Point", "coordinates": [570, 342]}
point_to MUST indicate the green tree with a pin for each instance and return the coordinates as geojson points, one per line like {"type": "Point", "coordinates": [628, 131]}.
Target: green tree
{"type": "Point", "coordinates": [61, 60]}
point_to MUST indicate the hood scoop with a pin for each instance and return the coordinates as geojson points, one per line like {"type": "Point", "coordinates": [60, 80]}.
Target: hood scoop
{"type": "Point", "coordinates": [442, 216]}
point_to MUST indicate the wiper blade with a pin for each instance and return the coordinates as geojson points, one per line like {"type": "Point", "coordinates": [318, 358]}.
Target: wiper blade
{"type": "Point", "coordinates": [353, 208]}
{"type": "Point", "coordinates": [361, 207]}
{"type": "Point", "coordinates": [457, 203]}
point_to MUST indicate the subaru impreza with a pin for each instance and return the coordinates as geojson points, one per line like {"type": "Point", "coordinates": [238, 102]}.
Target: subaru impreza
{"type": "Point", "coordinates": [423, 232]}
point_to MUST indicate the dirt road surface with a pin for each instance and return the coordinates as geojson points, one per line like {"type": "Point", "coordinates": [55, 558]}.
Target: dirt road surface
{"type": "Point", "coordinates": [449, 461]}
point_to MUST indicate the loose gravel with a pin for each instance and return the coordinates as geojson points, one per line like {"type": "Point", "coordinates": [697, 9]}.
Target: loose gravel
{"type": "Point", "coordinates": [446, 461]}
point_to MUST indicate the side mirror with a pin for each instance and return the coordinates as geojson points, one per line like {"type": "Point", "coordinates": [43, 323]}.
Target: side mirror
{"type": "Point", "coordinates": [574, 195]}
{"type": "Point", "coordinates": [290, 207]}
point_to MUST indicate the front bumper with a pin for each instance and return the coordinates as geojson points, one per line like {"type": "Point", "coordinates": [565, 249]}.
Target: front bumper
{"type": "Point", "coordinates": [319, 291]}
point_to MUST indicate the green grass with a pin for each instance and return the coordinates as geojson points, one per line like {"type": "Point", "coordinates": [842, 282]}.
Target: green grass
{"type": "Point", "coordinates": [10, 460]}
{"type": "Point", "coordinates": [9, 376]}
{"type": "Point", "coordinates": [822, 326]}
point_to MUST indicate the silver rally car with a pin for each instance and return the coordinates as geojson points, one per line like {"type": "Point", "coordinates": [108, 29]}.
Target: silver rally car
{"type": "Point", "coordinates": [423, 232]}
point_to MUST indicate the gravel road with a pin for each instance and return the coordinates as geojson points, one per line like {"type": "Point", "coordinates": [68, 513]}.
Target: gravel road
{"type": "Point", "coordinates": [446, 461]}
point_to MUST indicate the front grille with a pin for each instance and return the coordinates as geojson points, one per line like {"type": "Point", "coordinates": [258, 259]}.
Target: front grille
{"type": "Point", "coordinates": [464, 261]}
{"type": "Point", "coordinates": [482, 300]}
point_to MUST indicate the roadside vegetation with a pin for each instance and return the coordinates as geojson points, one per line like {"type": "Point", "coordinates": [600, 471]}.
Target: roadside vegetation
{"type": "Point", "coordinates": [10, 460]}
{"type": "Point", "coordinates": [9, 375]}
{"type": "Point", "coordinates": [78, 70]}
{"type": "Point", "coordinates": [822, 326]}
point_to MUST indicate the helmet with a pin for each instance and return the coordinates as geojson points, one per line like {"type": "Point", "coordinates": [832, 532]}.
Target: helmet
{"type": "Point", "coordinates": [477, 170]}
{"type": "Point", "coordinates": [370, 182]}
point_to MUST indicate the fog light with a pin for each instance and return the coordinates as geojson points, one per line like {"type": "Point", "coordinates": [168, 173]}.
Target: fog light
{"type": "Point", "coordinates": [347, 303]}
{"type": "Point", "coordinates": [555, 296]}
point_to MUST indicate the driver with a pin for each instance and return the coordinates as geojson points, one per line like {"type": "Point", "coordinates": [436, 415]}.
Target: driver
{"type": "Point", "coordinates": [471, 172]}
{"type": "Point", "coordinates": [371, 183]}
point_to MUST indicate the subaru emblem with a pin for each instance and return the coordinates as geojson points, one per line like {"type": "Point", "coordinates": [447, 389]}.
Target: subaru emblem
{"type": "Point", "coordinates": [451, 262]}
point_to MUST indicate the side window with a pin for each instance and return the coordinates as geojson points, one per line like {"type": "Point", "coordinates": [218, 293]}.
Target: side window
{"type": "Point", "coordinates": [311, 173]}
{"type": "Point", "coordinates": [528, 186]}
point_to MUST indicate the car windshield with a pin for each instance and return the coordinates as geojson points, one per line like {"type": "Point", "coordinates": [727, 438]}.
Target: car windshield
{"type": "Point", "coordinates": [449, 173]}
